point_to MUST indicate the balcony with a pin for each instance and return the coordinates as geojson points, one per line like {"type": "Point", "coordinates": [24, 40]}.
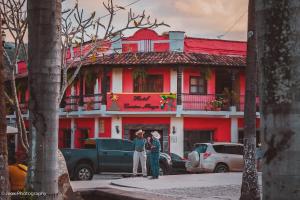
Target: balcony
{"type": "Point", "coordinates": [141, 102]}
{"type": "Point", "coordinates": [147, 102]}
{"type": "Point", "coordinates": [213, 102]}
{"type": "Point", "coordinates": [209, 102]}
{"type": "Point", "coordinates": [85, 103]}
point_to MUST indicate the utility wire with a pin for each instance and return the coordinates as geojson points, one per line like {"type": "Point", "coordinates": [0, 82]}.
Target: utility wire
{"type": "Point", "coordinates": [233, 25]}
{"type": "Point", "coordinates": [120, 8]}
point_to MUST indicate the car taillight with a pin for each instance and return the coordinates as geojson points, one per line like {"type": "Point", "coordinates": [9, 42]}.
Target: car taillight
{"type": "Point", "coordinates": [206, 155]}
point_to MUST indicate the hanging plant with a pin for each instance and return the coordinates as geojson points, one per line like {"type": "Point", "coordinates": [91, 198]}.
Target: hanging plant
{"type": "Point", "coordinates": [76, 79]}
{"type": "Point", "coordinates": [139, 76]}
{"type": "Point", "coordinates": [206, 72]}
{"type": "Point", "coordinates": [140, 73]}
{"type": "Point", "coordinates": [90, 78]}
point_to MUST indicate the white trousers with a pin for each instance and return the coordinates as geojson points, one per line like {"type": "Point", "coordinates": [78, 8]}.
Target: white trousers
{"type": "Point", "coordinates": [137, 157]}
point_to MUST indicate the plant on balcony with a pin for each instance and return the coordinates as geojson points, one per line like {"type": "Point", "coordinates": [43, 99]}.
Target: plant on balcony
{"type": "Point", "coordinates": [230, 98]}
{"type": "Point", "coordinates": [90, 104]}
{"type": "Point", "coordinates": [167, 99]}
{"type": "Point", "coordinates": [216, 104]}
{"type": "Point", "coordinates": [114, 102]}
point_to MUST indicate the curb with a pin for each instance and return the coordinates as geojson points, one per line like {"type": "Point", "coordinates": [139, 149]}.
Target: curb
{"type": "Point", "coordinates": [125, 186]}
{"type": "Point", "coordinates": [116, 194]}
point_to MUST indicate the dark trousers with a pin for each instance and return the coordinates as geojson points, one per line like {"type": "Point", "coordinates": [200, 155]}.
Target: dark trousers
{"type": "Point", "coordinates": [154, 162]}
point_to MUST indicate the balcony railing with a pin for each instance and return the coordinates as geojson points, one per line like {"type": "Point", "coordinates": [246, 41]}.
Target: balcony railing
{"type": "Point", "coordinates": [209, 102]}
{"type": "Point", "coordinates": [86, 102]}
{"type": "Point", "coordinates": [241, 104]}
{"type": "Point", "coordinates": [149, 102]}
{"type": "Point", "coordinates": [213, 102]}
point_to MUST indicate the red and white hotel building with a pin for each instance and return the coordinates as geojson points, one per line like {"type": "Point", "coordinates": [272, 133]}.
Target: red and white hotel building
{"type": "Point", "coordinates": [167, 83]}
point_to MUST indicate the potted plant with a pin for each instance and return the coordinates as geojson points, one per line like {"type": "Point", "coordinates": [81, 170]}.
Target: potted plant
{"type": "Point", "coordinates": [216, 104]}
{"type": "Point", "coordinates": [231, 98]}
{"type": "Point", "coordinates": [90, 104]}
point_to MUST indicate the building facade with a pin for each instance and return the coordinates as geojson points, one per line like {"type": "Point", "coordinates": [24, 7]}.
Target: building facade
{"type": "Point", "coordinates": [190, 90]}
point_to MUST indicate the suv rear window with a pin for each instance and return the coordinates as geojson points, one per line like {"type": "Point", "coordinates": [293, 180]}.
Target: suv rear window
{"type": "Point", "coordinates": [229, 149]}
{"type": "Point", "coordinates": [201, 148]}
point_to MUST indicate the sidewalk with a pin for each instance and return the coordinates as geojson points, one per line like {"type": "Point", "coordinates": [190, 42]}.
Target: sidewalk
{"type": "Point", "coordinates": [188, 186]}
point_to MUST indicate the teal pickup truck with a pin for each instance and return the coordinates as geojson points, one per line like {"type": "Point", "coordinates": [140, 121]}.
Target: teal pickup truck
{"type": "Point", "coordinates": [106, 155]}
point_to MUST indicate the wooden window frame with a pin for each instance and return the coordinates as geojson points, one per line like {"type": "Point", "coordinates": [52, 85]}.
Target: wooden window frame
{"type": "Point", "coordinates": [198, 85]}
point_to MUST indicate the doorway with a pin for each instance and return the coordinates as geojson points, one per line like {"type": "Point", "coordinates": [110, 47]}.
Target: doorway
{"type": "Point", "coordinates": [162, 129]}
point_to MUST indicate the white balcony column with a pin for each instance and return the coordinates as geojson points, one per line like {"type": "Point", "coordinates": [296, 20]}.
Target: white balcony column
{"type": "Point", "coordinates": [234, 130]}
{"type": "Point", "coordinates": [116, 127]}
{"type": "Point", "coordinates": [96, 134]}
{"type": "Point", "coordinates": [96, 92]}
{"type": "Point", "coordinates": [173, 80]}
{"type": "Point", "coordinates": [73, 130]}
{"type": "Point", "coordinates": [117, 80]}
{"type": "Point", "coordinates": [179, 90]}
{"type": "Point", "coordinates": [176, 135]}
{"type": "Point", "coordinates": [71, 99]}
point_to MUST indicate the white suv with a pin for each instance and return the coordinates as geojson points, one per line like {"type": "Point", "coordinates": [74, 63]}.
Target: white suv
{"type": "Point", "coordinates": [216, 157]}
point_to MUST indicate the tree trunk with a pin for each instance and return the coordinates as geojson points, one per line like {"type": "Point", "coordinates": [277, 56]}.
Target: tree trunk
{"type": "Point", "coordinates": [44, 59]}
{"type": "Point", "coordinates": [4, 180]}
{"type": "Point", "coordinates": [279, 62]}
{"type": "Point", "coordinates": [250, 188]}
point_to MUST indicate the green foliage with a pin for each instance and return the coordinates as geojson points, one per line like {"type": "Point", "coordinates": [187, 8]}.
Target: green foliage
{"type": "Point", "coordinates": [206, 72]}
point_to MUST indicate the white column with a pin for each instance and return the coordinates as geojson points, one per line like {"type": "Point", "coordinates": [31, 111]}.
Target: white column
{"type": "Point", "coordinates": [96, 134]}
{"type": "Point", "coordinates": [96, 91]}
{"type": "Point", "coordinates": [173, 80]}
{"type": "Point", "coordinates": [234, 130]}
{"type": "Point", "coordinates": [117, 80]}
{"type": "Point", "coordinates": [176, 139]}
{"type": "Point", "coordinates": [116, 124]}
{"type": "Point", "coordinates": [73, 129]}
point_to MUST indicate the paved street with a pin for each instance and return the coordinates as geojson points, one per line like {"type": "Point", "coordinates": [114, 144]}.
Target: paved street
{"type": "Point", "coordinates": [189, 186]}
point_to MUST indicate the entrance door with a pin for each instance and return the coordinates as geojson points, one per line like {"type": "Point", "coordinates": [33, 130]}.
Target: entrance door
{"type": "Point", "coordinates": [146, 135]}
{"type": "Point", "coordinates": [193, 137]}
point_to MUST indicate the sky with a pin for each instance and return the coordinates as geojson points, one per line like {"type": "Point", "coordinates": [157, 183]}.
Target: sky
{"type": "Point", "coordinates": [197, 18]}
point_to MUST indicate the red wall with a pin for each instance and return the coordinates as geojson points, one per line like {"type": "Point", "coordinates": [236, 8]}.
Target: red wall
{"type": "Point", "coordinates": [88, 123]}
{"type": "Point", "coordinates": [146, 120]}
{"type": "Point", "coordinates": [242, 84]}
{"type": "Point", "coordinates": [63, 124]}
{"type": "Point", "coordinates": [241, 123]}
{"type": "Point", "coordinates": [127, 80]}
{"type": "Point", "coordinates": [146, 34]}
{"type": "Point", "coordinates": [187, 73]}
{"type": "Point", "coordinates": [221, 127]}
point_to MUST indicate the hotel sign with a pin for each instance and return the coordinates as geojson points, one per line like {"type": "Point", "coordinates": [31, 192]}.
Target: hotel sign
{"type": "Point", "coordinates": [141, 102]}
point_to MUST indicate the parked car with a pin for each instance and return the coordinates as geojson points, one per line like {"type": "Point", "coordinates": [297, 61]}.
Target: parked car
{"type": "Point", "coordinates": [218, 157]}
{"type": "Point", "coordinates": [178, 164]}
{"type": "Point", "coordinates": [106, 155]}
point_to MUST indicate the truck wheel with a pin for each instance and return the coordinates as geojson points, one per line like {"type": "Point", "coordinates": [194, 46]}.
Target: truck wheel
{"type": "Point", "coordinates": [84, 172]}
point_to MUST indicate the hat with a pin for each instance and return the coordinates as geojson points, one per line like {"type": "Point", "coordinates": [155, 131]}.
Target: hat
{"type": "Point", "coordinates": [155, 134]}
{"type": "Point", "coordinates": [140, 131]}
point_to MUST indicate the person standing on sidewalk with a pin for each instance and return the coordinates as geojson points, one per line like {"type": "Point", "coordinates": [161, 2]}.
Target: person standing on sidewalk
{"type": "Point", "coordinates": [154, 156]}
{"type": "Point", "coordinates": [139, 154]}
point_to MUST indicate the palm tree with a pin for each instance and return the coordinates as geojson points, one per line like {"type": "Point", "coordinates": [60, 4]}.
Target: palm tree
{"type": "Point", "coordinates": [250, 188]}
{"type": "Point", "coordinates": [44, 58]}
{"type": "Point", "coordinates": [4, 181]}
{"type": "Point", "coordinates": [278, 53]}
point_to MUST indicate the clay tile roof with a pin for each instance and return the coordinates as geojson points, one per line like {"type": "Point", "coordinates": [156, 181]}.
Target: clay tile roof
{"type": "Point", "coordinates": [165, 58]}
